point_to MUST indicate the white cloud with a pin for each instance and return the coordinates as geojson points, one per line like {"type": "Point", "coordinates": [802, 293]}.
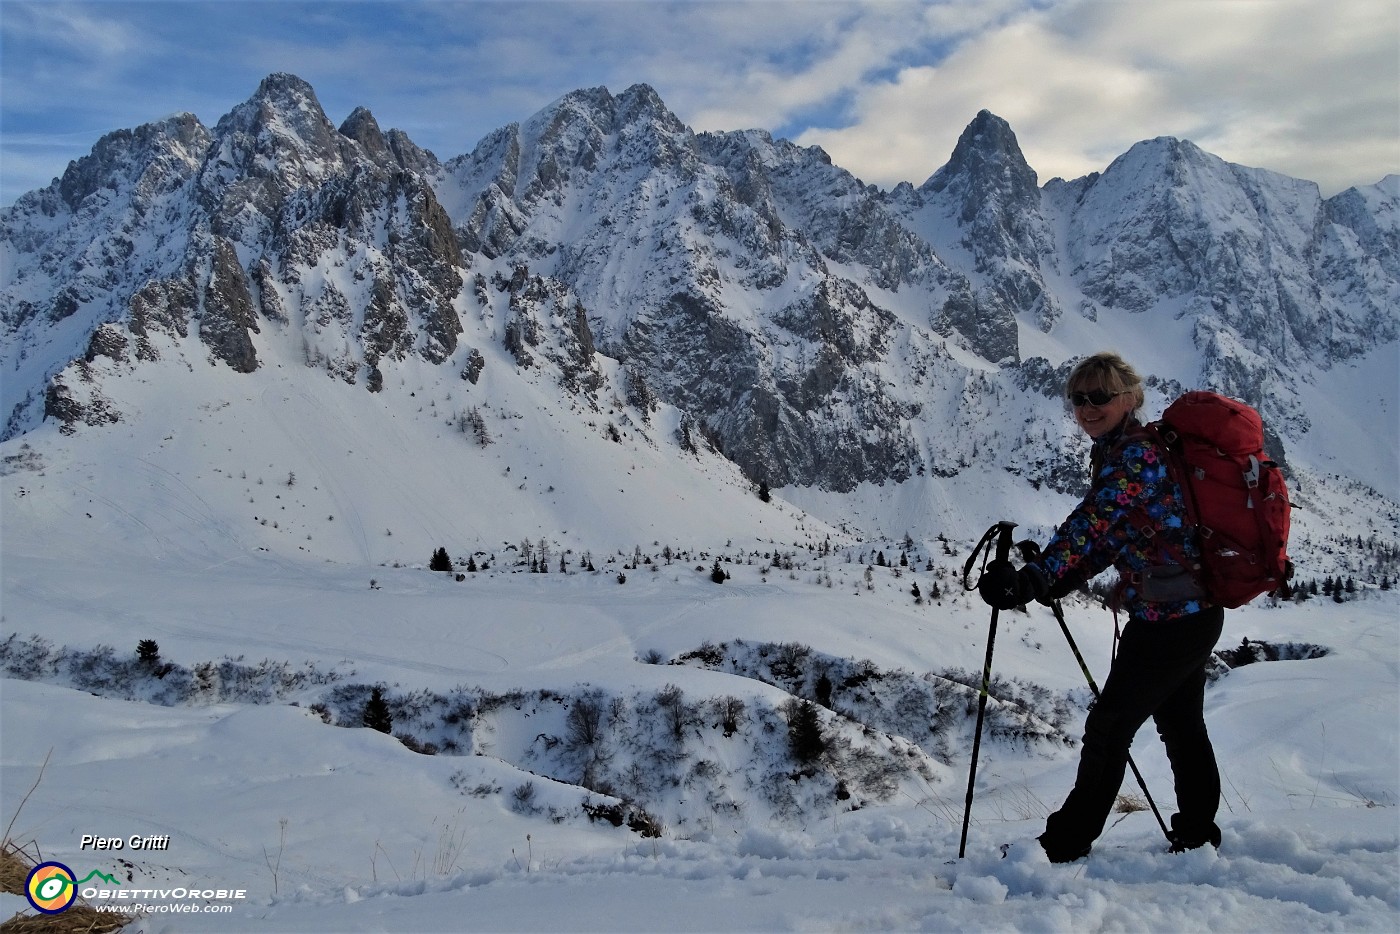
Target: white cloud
{"type": "Point", "coordinates": [83, 34]}
{"type": "Point", "coordinates": [836, 53]}
{"type": "Point", "coordinates": [1305, 87]}
{"type": "Point", "coordinates": [781, 62]}
{"type": "Point", "coordinates": [66, 46]}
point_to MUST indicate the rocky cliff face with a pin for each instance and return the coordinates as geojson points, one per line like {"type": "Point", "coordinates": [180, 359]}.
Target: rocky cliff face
{"type": "Point", "coordinates": [984, 207]}
{"type": "Point", "coordinates": [334, 237]}
{"type": "Point", "coordinates": [819, 331]}
{"type": "Point", "coordinates": [1251, 256]}
{"type": "Point", "coordinates": [687, 252]}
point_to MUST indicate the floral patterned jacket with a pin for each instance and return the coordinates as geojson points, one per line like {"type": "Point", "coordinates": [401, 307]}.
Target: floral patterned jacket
{"type": "Point", "coordinates": [1130, 488]}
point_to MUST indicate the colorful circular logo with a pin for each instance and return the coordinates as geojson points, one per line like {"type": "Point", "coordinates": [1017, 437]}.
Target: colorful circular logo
{"type": "Point", "coordinates": [51, 888]}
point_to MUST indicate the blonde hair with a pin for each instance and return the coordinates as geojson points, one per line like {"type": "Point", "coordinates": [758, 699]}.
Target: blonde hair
{"type": "Point", "coordinates": [1107, 371]}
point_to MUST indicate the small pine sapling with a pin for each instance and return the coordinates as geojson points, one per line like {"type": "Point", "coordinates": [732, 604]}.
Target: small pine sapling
{"type": "Point", "coordinates": [376, 714]}
{"type": "Point", "coordinates": [805, 738]}
{"type": "Point", "coordinates": [441, 561]}
{"type": "Point", "coordinates": [148, 652]}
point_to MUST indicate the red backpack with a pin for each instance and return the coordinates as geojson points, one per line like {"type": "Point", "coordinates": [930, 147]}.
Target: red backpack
{"type": "Point", "coordinates": [1235, 496]}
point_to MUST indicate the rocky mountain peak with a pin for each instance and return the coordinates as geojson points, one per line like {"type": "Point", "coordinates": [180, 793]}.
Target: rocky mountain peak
{"type": "Point", "coordinates": [594, 106]}
{"type": "Point", "coordinates": [985, 203]}
{"type": "Point", "coordinates": [986, 160]}
{"type": "Point", "coordinates": [364, 129]}
{"type": "Point", "coordinates": [640, 102]}
{"type": "Point", "coordinates": [1371, 218]}
{"type": "Point", "coordinates": [576, 131]}
{"type": "Point", "coordinates": [410, 155]}
{"type": "Point", "coordinates": [607, 113]}
{"type": "Point", "coordinates": [820, 332]}
{"type": "Point", "coordinates": [1152, 166]}
{"type": "Point", "coordinates": [282, 132]}
{"type": "Point", "coordinates": [151, 151]}
{"type": "Point", "coordinates": [286, 93]}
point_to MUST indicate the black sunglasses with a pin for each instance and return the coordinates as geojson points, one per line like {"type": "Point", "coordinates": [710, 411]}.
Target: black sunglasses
{"type": "Point", "coordinates": [1095, 397]}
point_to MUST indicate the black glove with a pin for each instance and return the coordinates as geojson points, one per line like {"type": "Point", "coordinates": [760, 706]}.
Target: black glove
{"type": "Point", "coordinates": [1003, 587]}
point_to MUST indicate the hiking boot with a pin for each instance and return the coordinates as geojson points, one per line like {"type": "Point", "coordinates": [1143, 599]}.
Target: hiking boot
{"type": "Point", "coordinates": [1183, 840]}
{"type": "Point", "coordinates": [1062, 854]}
{"type": "Point", "coordinates": [1182, 844]}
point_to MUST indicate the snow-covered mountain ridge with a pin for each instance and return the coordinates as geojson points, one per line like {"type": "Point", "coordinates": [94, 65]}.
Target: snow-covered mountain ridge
{"type": "Point", "coordinates": [724, 292]}
{"type": "Point", "coordinates": [255, 375]}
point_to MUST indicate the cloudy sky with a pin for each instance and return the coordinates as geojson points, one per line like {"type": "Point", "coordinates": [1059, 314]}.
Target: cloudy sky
{"type": "Point", "coordinates": [1309, 88]}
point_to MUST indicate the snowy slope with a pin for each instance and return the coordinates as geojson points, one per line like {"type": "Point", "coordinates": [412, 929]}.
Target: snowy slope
{"type": "Point", "coordinates": [255, 376]}
{"type": "Point", "coordinates": [330, 829]}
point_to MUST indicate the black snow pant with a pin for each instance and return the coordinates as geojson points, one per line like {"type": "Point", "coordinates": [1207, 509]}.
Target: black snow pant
{"type": "Point", "coordinates": [1159, 672]}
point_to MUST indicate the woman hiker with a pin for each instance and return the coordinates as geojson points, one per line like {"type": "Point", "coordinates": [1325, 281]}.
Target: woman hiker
{"type": "Point", "coordinates": [1160, 667]}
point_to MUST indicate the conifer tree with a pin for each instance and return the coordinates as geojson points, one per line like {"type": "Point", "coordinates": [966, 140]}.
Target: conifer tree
{"type": "Point", "coordinates": [441, 561]}
{"type": "Point", "coordinates": [472, 423]}
{"type": "Point", "coordinates": [685, 436]}
{"type": "Point", "coordinates": [639, 393]}
{"type": "Point", "coordinates": [376, 714]}
{"type": "Point", "coordinates": [805, 732]}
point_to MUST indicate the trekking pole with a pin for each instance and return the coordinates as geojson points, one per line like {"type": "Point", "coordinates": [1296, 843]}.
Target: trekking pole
{"type": "Point", "coordinates": [1002, 533]}
{"type": "Point", "coordinates": [1028, 552]}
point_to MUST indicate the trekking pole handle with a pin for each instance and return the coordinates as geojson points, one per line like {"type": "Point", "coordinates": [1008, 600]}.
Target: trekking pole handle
{"type": "Point", "coordinates": [1002, 533]}
{"type": "Point", "coordinates": [1004, 539]}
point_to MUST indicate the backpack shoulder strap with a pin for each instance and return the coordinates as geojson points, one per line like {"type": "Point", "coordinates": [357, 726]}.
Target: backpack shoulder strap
{"type": "Point", "coordinates": [1162, 436]}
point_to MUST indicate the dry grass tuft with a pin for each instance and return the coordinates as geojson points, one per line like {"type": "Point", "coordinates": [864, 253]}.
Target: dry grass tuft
{"type": "Point", "coordinates": [15, 866]}
{"type": "Point", "coordinates": [80, 919]}
{"type": "Point", "coordinates": [14, 869]}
